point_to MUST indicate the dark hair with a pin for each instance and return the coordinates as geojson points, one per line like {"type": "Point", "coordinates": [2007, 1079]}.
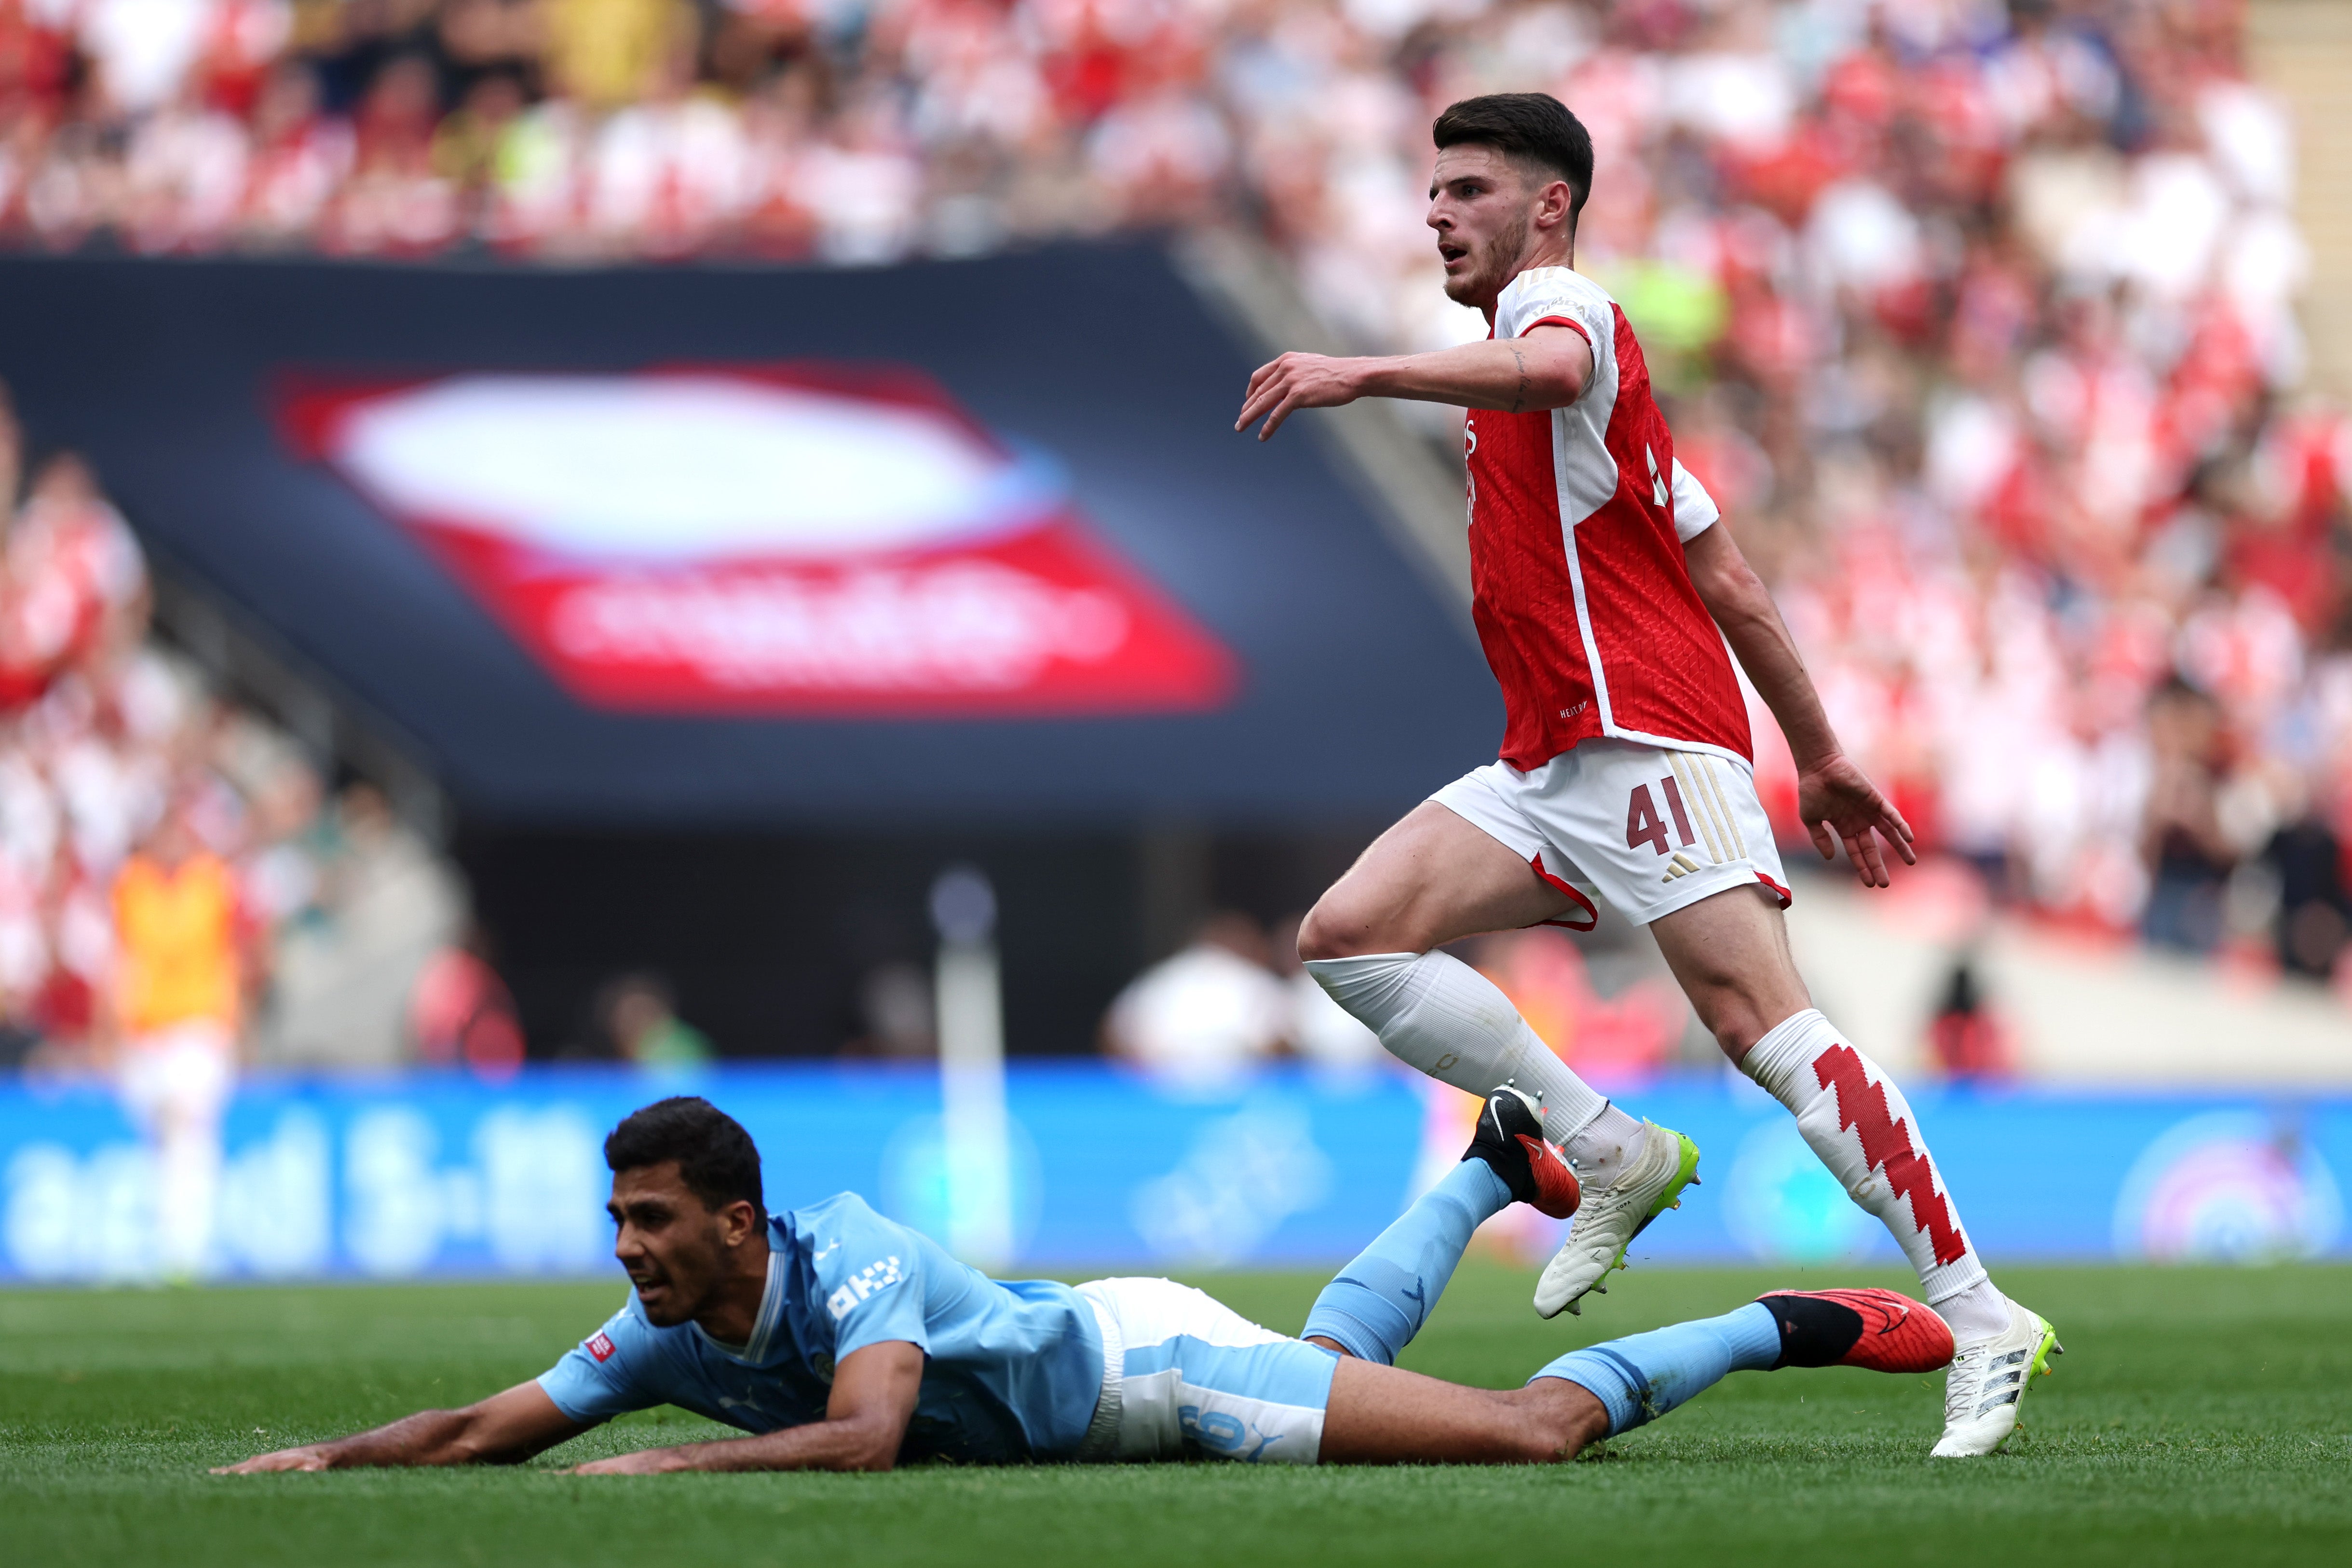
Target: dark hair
{"type": "Point", "coordinates": [716, 1158]}
{"type": "Point", "coordinates": [1530, 128]}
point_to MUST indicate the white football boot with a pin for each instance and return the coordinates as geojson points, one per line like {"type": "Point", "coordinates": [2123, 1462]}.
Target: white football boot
{"type": "Point", "coordinates": [1987, 1383]}
{"type": "Point", "coordinates": [1651, 1182]}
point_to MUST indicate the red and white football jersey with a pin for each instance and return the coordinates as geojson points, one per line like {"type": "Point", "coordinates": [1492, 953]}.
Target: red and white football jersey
{"type": "Point", "coordinates": [1577, 517]}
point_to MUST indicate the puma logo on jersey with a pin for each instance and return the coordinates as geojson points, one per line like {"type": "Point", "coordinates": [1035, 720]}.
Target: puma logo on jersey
{"type": "Point", "coordinates": [1658, 479]}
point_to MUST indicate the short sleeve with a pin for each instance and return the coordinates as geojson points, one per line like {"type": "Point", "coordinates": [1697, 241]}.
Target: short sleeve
{"type": "Point", "coordinates": [869, 1281]}
{"type": "Point", "coordinates": [1695, 510]}
{"type": "Point", "coordinates": [605, 1375]}
{"type": "Point", "coordinates": [1554, 294]}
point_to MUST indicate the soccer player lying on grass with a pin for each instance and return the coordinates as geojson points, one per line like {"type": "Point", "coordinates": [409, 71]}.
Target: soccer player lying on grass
{"type": "Point", "coordinates": [843, 1342]}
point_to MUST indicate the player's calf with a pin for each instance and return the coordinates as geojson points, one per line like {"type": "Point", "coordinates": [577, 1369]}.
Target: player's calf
{"type": "Point", "coordinates": [1643, 1376]}
{"type": "Point", "coordinates": [1385, 1415]}
{"type": "Point", "coordinates": [1375, 1306]}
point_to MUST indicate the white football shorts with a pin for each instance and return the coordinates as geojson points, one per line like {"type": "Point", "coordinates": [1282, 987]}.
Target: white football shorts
{"type": "Point", "coordinates": [1185, 1376]}
{"type": "Point", "coordinates": [1648, 829]}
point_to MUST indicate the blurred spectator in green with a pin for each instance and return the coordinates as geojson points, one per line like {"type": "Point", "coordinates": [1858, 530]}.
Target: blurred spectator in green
{"type": "Point", "coordinates": [639, 1015]}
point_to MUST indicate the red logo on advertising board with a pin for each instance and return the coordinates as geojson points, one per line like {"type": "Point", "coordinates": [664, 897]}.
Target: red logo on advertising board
{"type": "Point", "coordinates": [600, 1347]}
{"type": "Point", "coordinates": [796, 540]}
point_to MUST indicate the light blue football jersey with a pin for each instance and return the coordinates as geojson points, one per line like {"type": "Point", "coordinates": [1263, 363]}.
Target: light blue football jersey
{"type": "Point", "coordinates": [1012, 1369]}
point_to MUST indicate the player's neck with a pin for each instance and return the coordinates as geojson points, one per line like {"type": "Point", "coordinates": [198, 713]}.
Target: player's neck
{"type": "Point", "coordinates": [732, 1316]}
{"type": "Point", "coordinates": [1546, 252]}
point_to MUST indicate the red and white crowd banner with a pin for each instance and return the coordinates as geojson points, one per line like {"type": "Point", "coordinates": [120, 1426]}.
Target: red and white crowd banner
{"type": "Point", "coordinates": [795, 540]}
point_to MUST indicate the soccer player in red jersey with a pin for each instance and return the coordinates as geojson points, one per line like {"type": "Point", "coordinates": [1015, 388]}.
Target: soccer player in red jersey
{"type": "Point", "coordinates": [1605, 595]}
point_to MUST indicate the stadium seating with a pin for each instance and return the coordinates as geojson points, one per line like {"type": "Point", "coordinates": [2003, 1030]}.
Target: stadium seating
{"type": "Point", "coordinates": [1977, 317]}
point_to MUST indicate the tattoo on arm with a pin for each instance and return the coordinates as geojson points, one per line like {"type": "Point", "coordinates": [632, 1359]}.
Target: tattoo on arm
{"type": "Point", "coordinates": [1519, 398]}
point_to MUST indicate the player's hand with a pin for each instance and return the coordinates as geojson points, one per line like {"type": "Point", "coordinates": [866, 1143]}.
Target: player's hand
{"type": "Point", "coordinates": [313, 1458]}
{"type": "Point", "coordinates": [1297, 381]}
{"type": "Point", "coordinates": [644, 1462]}
{"type": "Point", "coordinates": [1838, 805]}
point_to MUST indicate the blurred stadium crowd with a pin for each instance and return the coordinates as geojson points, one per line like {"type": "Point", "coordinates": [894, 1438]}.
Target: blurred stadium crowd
{"type": "Point", "coordinates": [169, 860]}
{"type": "Point", "coordinates": [1977, 316]}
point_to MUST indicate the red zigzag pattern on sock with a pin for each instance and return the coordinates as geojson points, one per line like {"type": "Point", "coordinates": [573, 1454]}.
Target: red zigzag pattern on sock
{"type": "Point", "coordinates": [1885, 1141]}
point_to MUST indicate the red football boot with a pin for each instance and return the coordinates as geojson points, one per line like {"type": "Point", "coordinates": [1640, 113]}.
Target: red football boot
{"type": "Point", "coordinates": [1876, 1328]}
{"type": "Point", "coordinates": [1510, 1139]}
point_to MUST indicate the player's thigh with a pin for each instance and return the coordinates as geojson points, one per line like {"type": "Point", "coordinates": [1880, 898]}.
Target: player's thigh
{"type": "Point", "coordinates": [1432, 878]}
{"type": "Point", "coordinates": [1387, 1416]}
{"type": "Point", "coordinates": [1730, 953]}
{"type": "Point", "coordinates": [1196, 1379]}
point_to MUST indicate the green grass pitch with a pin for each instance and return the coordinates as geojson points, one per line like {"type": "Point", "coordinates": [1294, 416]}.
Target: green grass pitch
{"type": "Point", "coordinates": [2199, 1416]}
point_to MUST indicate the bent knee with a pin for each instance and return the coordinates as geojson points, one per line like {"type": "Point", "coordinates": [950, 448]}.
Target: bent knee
{"type": "Point", "coordinates": [1561, 1424]}
{"type": "Point", "coordinates": [1736, 1010]}
{"type": "Point", "coordinates": [1738, 1032]}
{"type": "Point", "coordinates": [1334, 930]}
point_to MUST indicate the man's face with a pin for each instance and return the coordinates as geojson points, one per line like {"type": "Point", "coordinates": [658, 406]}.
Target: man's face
{"type": "Point", "coordinates": [674, 1246]}
{"type": "Point", "coordinates": [1483, 206]}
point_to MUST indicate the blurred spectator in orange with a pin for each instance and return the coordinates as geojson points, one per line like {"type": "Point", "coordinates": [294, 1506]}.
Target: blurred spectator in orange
{"type": "Point", "coordinates": [176, 1012]}
{"type": "Point", "coordinates": [1206, 1015]}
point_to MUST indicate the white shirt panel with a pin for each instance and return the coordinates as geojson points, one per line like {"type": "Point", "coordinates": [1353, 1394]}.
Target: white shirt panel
{"type": "Point", "coordinates": [1695, 510]}
{"type": "Point", "coordinates": [1587, 473]}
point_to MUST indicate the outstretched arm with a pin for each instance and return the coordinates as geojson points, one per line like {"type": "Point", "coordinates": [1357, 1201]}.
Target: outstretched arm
{"type": "Point", "coordinates": [504, 1429]}
{"type": "Point", "coordinates": [1836, 802]}
{"type": "Point", "coordinates": [1545, 369]}
{"type": "Point", "coordinates": [873, 1391]}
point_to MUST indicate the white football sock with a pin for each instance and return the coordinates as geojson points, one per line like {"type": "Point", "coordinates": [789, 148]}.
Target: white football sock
{"type": "Point", "coordinates": [1436, 1013]}
{"type": "Point", "coordinates": [1855, 1118]}
{"type": "Point", "coordinates": [1601, 1145]}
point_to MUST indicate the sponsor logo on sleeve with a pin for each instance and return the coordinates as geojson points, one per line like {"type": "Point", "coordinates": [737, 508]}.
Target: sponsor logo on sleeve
{"type": "Point", "coordinates": [600, 1346]}
{"type": "Point", "coordinates": [874, 1277]}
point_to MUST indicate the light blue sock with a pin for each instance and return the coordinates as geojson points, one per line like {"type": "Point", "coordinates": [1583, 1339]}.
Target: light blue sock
{"type": "Point", "coordinates": [1643, 1376]}
{"type": "Point", "coordinates": [1378, 1302]}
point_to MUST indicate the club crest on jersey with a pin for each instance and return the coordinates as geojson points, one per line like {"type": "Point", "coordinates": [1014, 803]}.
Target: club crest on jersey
{"type": "Point", "coordinates": [600, 1345]}
{"type": "Point", "coordinates": [874, 1277]}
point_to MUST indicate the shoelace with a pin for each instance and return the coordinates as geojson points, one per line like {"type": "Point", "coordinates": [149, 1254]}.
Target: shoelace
{"type": "Point", "coordinates": [1605, 1204]}
{"type": "Point", "coordinates": [1983, 1381]}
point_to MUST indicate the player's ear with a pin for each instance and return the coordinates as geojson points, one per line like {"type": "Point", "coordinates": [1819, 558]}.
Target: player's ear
{"type": "Point", "coordinates": [1555, 205]}
{"type": "Point", "coordinates": [738, 1220]}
